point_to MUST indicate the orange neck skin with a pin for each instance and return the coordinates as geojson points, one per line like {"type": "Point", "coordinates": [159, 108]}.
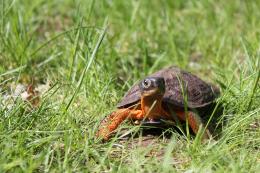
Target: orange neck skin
{"type": "Point", "coordinates": [152, 107]}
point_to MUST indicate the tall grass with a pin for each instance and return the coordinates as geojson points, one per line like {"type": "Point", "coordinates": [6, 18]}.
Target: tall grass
{"type": "Point", "coordinates": [91, 52]}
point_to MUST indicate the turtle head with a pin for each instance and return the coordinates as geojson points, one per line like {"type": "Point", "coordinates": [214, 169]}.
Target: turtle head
{"type": "Point", "coordinates": [152, 86]}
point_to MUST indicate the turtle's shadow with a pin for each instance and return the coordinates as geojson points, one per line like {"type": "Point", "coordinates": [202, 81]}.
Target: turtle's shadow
{"type": "Point", "coordinates": [212, 116]}
{"type": "Point", "coordinates": [158, 132]}
{"type": "Point", "coordinates": [150, 132]}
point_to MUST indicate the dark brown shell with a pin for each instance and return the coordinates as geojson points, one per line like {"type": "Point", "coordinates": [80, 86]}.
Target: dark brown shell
{"type": "Point", "coordinates": [199, 93]}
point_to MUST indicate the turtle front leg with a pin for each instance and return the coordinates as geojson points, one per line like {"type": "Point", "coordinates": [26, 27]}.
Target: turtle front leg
{"type": "Point", "coordinates": [112, 121]}
{"type": "Point", "coordinates": [194, 122]}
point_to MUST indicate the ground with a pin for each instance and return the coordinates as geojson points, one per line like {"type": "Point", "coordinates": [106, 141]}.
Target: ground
{"type": "Point", "coordinates": [80, 57]}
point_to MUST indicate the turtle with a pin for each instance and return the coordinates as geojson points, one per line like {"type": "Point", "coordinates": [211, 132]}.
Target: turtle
{"type": "Point", "coordinates": [168, 94]}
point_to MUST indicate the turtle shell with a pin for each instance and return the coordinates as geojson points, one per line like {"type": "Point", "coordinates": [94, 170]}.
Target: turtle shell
{"type": "Point", "coordinates": [178, 83]}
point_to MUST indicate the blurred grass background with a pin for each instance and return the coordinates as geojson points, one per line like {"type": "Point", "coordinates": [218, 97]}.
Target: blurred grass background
{"type": "Point", "coordinates": [91, 52]}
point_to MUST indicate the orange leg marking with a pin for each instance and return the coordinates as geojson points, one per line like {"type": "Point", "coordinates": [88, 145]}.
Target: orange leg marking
{"type": "Point", "coordinates": [194, 122]}
{"type": "Point", "coordinates": [112, 121]}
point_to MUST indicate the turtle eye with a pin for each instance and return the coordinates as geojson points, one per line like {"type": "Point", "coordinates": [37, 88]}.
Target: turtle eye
{"type": "Point", "coordinates": [147, 83]}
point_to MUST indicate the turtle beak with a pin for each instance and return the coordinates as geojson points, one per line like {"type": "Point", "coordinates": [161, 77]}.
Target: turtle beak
{"type": "Point", "coordinates": [155, 91]}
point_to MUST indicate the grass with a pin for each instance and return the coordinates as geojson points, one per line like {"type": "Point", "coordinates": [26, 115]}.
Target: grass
{"type": "Point", "coordinates": [91, 52]}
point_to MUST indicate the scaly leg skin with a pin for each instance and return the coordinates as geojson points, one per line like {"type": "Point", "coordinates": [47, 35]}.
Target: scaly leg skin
{"type": "Point", "coordinates": [112, 121]}
{"type": "Point", "coordinates": [194, 122]}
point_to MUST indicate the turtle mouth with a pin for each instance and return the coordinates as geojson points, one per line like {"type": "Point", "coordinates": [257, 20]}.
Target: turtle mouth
{"type": "Point", "coordinates": [152, 92]}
